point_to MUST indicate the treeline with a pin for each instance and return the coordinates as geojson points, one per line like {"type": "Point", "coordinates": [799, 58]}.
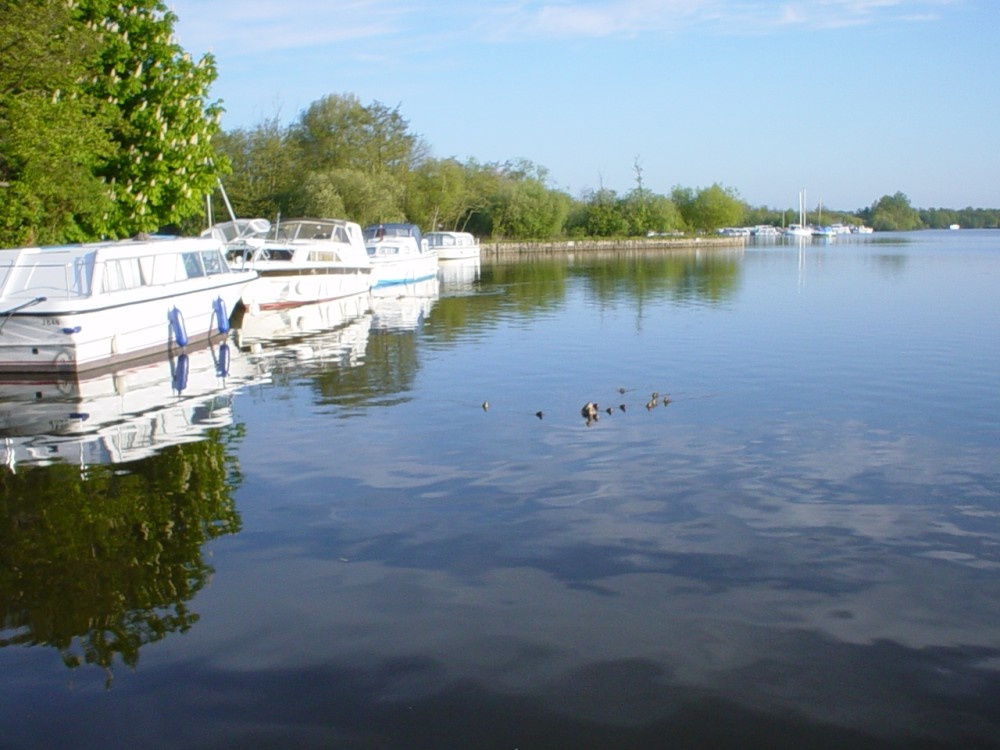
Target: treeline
{"type": "Point", "coordinates": [342, 158]}
{"type": "Point", "coordinates": [106, 130]}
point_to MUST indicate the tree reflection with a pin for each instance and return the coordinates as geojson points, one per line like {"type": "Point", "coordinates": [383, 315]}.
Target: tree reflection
{"type": "Point", "coordinates": [101, 561]}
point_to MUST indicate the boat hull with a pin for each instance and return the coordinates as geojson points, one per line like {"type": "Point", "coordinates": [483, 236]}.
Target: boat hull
{"type": "Point", "coordinates": [390, 271]}
{"type": "Point", "coordinates": [80, 338]}
{"type": "Point", "coordinates": [277, 290]}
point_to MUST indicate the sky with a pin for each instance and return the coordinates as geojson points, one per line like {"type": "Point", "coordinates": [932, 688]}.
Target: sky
{"type": "Point", "coordinates": [848, 100]}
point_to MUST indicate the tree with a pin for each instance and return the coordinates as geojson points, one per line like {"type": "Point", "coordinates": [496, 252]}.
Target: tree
{"type": "Point", "coordinates": [894, 213]}
{"type": "Point", "coordinates": [339, 132]}
{"type": "Point", "coordinates": [438, 196]}
{"type": "Point", "coordinates": [53, 136]}
{"type": "Point", "coordinates": [366, 198]}
{"type": "Point", "coordinates": [266, 170]}
{"type": "Point", "coordinates": [164, 163]}
{"type": "Point", "coordinates": [711, 208]}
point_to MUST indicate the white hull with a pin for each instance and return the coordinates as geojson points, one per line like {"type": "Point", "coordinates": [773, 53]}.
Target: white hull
{"type": "Point", "coordinates": [399, 255]}
{"type": "Point", "coordinates": [453, 245]}
{"type": "Point", "coordinates": [274, 290]}
{"type": "Point", "coordinates": [403, 269]}
{"type": "Point", "coordinates": [299, 261]}
{"type": "Point", "coordinates": [58, 314]}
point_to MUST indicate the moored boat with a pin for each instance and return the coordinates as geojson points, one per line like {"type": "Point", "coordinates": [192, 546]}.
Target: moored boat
{"type": "Point", "coordinates": [399, 254]}
{"type": "Point", "coordinates": [453, 245]}
{"type": "Point", "coordinates": [86, 307]}
{"type": "Point", "coordinates": [298, 261]}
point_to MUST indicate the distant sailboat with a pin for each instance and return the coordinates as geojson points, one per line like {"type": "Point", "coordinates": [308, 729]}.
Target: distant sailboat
{"type": "Point", "coordinates": [800, 229]}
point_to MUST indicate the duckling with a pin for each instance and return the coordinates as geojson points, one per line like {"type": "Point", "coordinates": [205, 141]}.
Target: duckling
{"type": "Point", "coordinates": [539, 414]}
{"type": "Point", "coordinates": [609, 410]}
{"type": "Point", "coordinates": [621, 407]}
{"type": "Point", "coordinates": [651, 405]}
{"type": "Point", "coordinates": [486, 405]}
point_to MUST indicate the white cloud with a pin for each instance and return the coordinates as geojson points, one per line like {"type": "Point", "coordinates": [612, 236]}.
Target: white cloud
{"type": "Point", "coordinates": [256, 26]}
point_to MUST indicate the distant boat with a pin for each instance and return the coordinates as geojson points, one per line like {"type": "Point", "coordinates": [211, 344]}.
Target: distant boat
{"type": "Point", "coordinates": [800, 229]}
{"type": "Point", "coordinates": [399, 254]}
{"type": "Point", "coordinates": [955, 226]}
{"type": "Point", "coordinates": [453, 245]}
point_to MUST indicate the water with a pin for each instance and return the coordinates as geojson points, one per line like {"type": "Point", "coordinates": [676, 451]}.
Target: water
{"type": "Point", "coordinates": [338, 545]}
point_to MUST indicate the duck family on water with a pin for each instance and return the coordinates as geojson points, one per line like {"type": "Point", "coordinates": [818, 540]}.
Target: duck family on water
{"type": "Point", "coordinates": [591, 410]}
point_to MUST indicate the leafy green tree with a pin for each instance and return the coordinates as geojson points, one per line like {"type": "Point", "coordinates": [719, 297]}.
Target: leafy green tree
{"type": "Point", "coordinates": [894, 213]}
{"type": "Point", "coordinates": [53, 136]}
{"type": "Point", "coordinates": [164, 164]}
{"type": "Point", "coordinates": [266, 174]}
{"type": "Point", "coordinates": [712, 207]}
{"type": "Point", "coordinates": [662, 215]}
{"type": "Point", "coordinates": [339, 132]}
{"type": "Point", "coordinates": [364, 197]}
{"type": "Point", "coordinates": [602, 215]}
{"type": "Point", "coordinates": [438, 195]}
{"type": "Point", "coordinates": [522, 206]}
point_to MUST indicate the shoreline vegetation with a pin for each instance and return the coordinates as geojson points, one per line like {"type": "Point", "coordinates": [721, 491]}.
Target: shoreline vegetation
{"type": "Point", "coordinates": [95, 154]}
{"type": "Point", "coordinates": [518, 249]}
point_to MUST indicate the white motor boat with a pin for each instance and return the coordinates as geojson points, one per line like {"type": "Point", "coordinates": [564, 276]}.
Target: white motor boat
{"type": "Point", "coordinates": [453, 245]}
{"type": "Point", "coordinates": [399, 254]}
{"type": "Point", "coordinates": [298, 261]}
{"type": "Point", "coordinates": [86, 307]}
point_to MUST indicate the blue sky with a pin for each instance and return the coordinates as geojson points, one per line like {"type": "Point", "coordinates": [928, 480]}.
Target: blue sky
{"type": "Point", "coordinates": [848, 99]}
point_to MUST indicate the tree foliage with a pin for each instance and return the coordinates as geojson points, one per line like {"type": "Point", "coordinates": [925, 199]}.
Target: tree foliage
{"type": "Point", "coordinates": [894, 213]}
{"type": "Point", "coordinates": [164, 163]}
{"type": "Point", "coordinates": [53, 135]}
{"type": "Point", "coordinates": [106, 127]}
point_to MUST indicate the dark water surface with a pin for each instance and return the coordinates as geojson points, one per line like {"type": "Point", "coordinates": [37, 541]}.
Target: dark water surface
{"type": "Point", "coordinates": [337, 545]}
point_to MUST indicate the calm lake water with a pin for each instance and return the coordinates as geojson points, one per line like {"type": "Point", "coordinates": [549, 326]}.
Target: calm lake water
{"type": "Point", "coordinates": [337, 545]}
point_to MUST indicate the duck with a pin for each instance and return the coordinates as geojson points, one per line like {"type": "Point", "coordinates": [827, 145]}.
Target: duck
{"type": "Point", "coordinates": [589, 410]}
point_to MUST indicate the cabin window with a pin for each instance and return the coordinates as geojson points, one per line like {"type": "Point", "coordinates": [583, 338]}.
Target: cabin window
{"type": "Point", "coordinates": [323, 256]}
{"type": "Point", "coordinates": [122, 273]}
{"type": "Point", "coordinates": [213, 262]}
{"type": "Point", "coordinates": [192, 265]}
{"type": "Point", "coordinates": [165, 269]}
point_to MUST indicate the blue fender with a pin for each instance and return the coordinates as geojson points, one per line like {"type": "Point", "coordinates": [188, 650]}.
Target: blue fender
{"type": "Point", "coordinates": [177, 327]}
{"type": "Point", "coordinates": [221, 316]}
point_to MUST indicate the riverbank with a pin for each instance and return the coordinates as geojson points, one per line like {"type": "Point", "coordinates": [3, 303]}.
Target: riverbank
{"type": "Point", "coordinates": [494, 250]}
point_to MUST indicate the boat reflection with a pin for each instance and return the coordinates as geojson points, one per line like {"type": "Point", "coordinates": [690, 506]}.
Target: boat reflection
{"type": "Point", "coordinates": [122, 415]}
{"type": "Point", "coordinates": [323, 332]}
{"type": "Point", "coordinates": [458, 276]}
{"type": "Point", "coordinates": [403, 307]}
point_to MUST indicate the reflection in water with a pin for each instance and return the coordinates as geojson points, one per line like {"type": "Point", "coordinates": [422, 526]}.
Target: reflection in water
{"type": "Point", "coordinates": [311, 336]}
{"type": "Point", "coordinates": [99, 563]}
{"type": "Point", "coordinates": [458, 276]}
{"type": "Point", "coordinates": [801, 551]}
{"type": "Point", "coordinates": [403, 307]}
{"type": "Point", "coordinates": [122, 415]}
{"type": "Point", "coordinates": [112, 485]}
